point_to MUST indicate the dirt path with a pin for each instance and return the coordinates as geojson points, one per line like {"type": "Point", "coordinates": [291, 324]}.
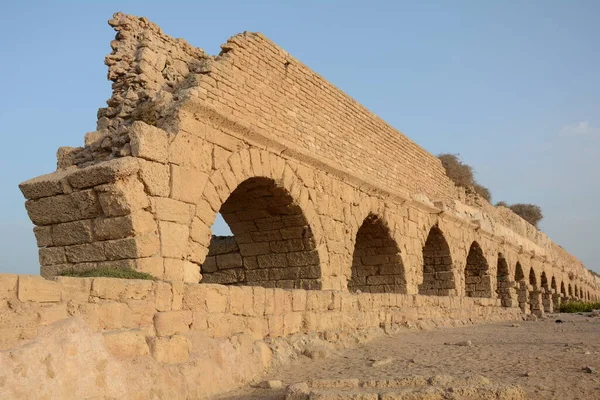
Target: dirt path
{"type": "Point", "coordinates": [544, 357]}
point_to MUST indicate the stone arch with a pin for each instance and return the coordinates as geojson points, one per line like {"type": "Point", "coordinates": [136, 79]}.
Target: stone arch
{"type": "Point", "coordinates": [576, 291]}
{"type": "Point", "coordinates": [503, 282]}
{"type": "Point", "coordinates": [377, 265]}
{"type": "Point", "coordinates": [553, 284]}
{"type": "Point", "coordinates": [438, 276]}
{"type": "Point", "coordinates": [581, 294]}
{"type": "Point", "coordinates": [272, 217]}
{"type": "Point", "coordinates": [477, 277]}
{"type": "Point", "coordinates": [563, 291]}
{"type": "Point", "coordinates": [570, 290]}
{"type": "Point", "coordinates": [273, 244]}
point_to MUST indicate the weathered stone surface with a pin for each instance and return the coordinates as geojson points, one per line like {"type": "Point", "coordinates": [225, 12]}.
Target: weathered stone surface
{"type": "Point", "coordinates": [126, 344]}
{"type": "Point", "coordinates": [172, 322]}
{"type": "Point", "coordinates": [138, 223]}
{"type": "Point", "coordinates": [38, 289]}
{"type": "Point", "coordinates": [104, 172]}
{"type": "Point", "coordinates": [64, 208]}
{"type": "Point", "coordinates": [171, 210]}
{"type": "Point", "coordinates": [148, 142]}
{"type": "Point", "coordinates": [170, 350]}
{"type": "Point", "coordinates": [45, 185]}
{"type": "Point", "coordinates": [122, 197]}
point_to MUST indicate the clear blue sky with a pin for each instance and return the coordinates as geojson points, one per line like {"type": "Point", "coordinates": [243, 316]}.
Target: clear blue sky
{"type": "Point", "coordinates": [512, 86]}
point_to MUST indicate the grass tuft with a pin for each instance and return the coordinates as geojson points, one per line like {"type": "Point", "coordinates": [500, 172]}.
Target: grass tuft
{"type": "Point", "coordinates": [578, 306]}
{"type": "Point", "coordinates": [109, 272]}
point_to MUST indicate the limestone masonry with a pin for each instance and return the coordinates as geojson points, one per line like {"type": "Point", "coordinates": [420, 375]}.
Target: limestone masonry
{"type": "Point", "coordinates": [340, 222]}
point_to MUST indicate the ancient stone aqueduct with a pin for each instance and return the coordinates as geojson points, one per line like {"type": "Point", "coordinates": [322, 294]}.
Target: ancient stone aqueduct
{"type": "Point", "coordinates": [340, 222]}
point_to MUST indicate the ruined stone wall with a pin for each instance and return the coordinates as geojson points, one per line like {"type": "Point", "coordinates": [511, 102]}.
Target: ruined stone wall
{"type": "Point", "coordinates": [124, 339]}
{"type": "Point", "coordinates": [295, 167]}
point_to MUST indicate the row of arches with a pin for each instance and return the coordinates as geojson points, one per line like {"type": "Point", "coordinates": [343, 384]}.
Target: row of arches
{"type": "Point", "coordinates": [275, 246]}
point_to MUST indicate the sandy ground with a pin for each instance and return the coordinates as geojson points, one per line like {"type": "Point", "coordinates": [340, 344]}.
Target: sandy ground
{"type": "Point", "coordinates": [544, 357]}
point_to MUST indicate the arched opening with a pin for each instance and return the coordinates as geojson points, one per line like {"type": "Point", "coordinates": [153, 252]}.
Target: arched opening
{"type": "Point", "coordinates": [272, 243]}
{"type": "Point", "coordinates": [438, 277]}
{"type": "Point", "coordinates": [576, 293]}
{"type": "Point", "coordinates": [503, 282]}
{"type": "Point", "coordinates": [581, 294]}
{"type": "Point", "coordinates": [546, 295]}
{"type": "Point", "coordinates": [570, 291]}
{"type": "Point", "coordinates": [555, 295]}
{"type": "Point", "coordinates": [477, 277]}
{"type": "Point", "coordinates": [532, 278]}
{"type": "Point", "coordinates": [519, 275]}
{"type": "Point", "coordinates": [535, 298]}
{"type": "Point", "coordinates": [522, 291]}
{"type": "Point", "coordinates": [376, 263]}
{"type": "Point", "coordinates": [544, 281]}
{"type": "Point", "coordinates": [563, 291]}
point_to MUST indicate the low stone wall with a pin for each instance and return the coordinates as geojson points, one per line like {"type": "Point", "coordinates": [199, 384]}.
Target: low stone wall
{"type": "Point", "coordinates": [132, 337]}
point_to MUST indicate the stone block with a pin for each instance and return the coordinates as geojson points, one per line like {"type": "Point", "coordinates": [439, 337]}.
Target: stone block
{"type": "Point", "coordinates": [273, 260]}
{"type": "Point", "coordinates": [299, 298]}
{"type": "Point", "coordinates": [52, 255]}
{"type": "Point", "coordinates": [156, 178]}
{"type": "Point", "coordinates": [38, 289]}
{"type": "Point", "coordinates": [303, 258]}
{"type": "Point", "coordinates": [194, 297]}
{"type": "Point", "coordinates": [196, 252]}
{"type": "Point", "coordinates": [45, 185]}
{"type": "Point", "coordinates": [174, 269]}
{"type": "Point", "coordinates": [287, 246]}
{"type": "Point", "coordinates": [191, 272]}
{"type": "Point", "coordinates": [166, 209]}
{"type": "Point", "coordinates": [104, 172]}
{"type": "Point", "coordinates": [163, 296]}
{"type": "Point", "coordinates": [138, 223]}
{"type": "Point", "coordinates": [209, 264]}
{"type": "Point", "coordinates": [73, 289]}
{"type": "Point", "coordinates": [123, 197]}
{"type": "Point", "coordinates": [217, 298]}
{"type": "Point", "coordinates": [170, 350]}
{"type": "Point", "coordinates": [126, 344]}
{"type": "Point", "coordinates": [173, 239]}
{"type": "Point", "coordinates": [51, 313]}
{"type": "Point", "coordinates": [147, 245]}
{"type": "Point", "coordinates": [43, 235]}
{"type": "Point", "coordinates": [85, 252]}
{"type": "Point", "coordinates": [8, 286]}
{"type": "Point", "coordinates": [172, 322]}
{"type": "Point", "coordinates": [64, 208]}
{"type": "Point", "coordinates": [149, 142]}
{"type": "Point", "coordinates": [232, 260]}
{"type": "Point", "coordinates": [151, 265]}
{"type": "Point", "coordinates": [120, 289]}
{"type": "Point", "coordinates": [70, 233]}
{"type": "Point", "coordinates": [188, 184]}
{"type": "Point", "coordinates": [199, 231]}
{"type": "Point", "coordinates": [254, 249]}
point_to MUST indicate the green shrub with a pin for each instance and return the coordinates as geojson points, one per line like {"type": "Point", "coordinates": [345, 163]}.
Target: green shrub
{"type": "Point", "coordinates": [110, 272]}
{"type": "Point", "coordinates": [578, 306]}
